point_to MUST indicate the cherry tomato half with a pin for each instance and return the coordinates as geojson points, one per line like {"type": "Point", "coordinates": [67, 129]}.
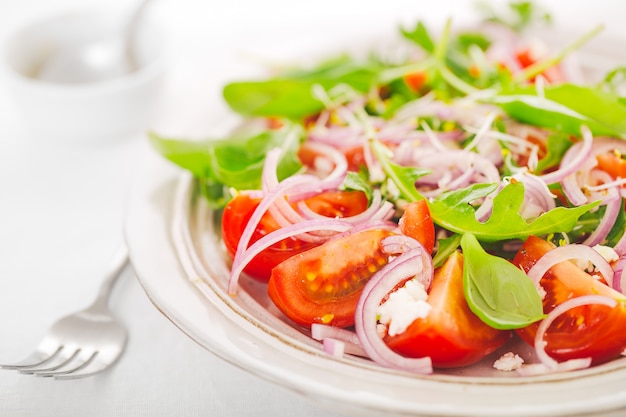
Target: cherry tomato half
{"type": "Point", "coordinates": [323, 284]}
{"type": "Point", "coordinates": [238, 211]}
{"type": "Point", "coordinates": [417, 223]}
{"type": "Point", "coordinates": [594, 331]}
{"type": "Point", "coordinates": [452, 335]}
{"type": "Point", "coordinates": [613, 164]}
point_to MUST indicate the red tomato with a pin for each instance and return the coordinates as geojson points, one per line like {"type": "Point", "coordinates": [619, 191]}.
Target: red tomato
{"type": "Point", "coordinates": [529, 56]}
{"type": "Point", "coordinates": [238, 211]}
{"type": "Point", "coordinates": [592, 331]}
{"type": "Point", "coordinates": [415, 80]}
{"type": "Point", "coordinates": [452, 335]}
{"type": "Point", "coordinates": [417, 223]}
{"type": "Point", "coordinates": [323, 284]}
{"type": "Point", "coordinates": [613, 164]}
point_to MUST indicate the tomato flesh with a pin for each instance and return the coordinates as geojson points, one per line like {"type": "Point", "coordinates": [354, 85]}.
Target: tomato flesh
{"type": "Point", "coordinates": [323, 284]}
{"type": "Point", "coordinates": [613, 164]}
{"type": "Point", "coordinates": [452, 335]}
{"type": "Point", "coordinates": [530, 56]}
{"type": "Point", "coordinates": [594, 331]}
{"type": "Point", "coordinates": [417, 223]}
{"type": "Point", "coordinates": [238, 211]}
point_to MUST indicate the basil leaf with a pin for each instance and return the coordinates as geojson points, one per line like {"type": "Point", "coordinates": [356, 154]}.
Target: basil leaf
{"type": "Point", "coordinates": [498, 292]}
{"type": "Point", "coordinates": [291, 95]}
{"type": "Point", "coordinates": [453, 211]}
{"type": "Point", "coordinates": [236, 161]}
{"type": "Point", "coordinates": [567, 108]}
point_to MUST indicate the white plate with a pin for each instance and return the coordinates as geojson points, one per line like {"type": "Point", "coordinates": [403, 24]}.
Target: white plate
{"type": "Point", "coordinates": [176, 253]}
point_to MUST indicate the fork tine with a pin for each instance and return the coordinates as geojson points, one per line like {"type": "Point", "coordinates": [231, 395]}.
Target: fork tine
{"type": "Point", "coordinates": [60, 360]}
{"type": "Point", "coordinates": [71, 366]}
{"type": "Point", "coordinates": [37, 358]}
{"type": "Point", "coordinates": [95, 367]}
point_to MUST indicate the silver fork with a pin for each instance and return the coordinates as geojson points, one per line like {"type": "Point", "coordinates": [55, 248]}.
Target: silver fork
{"type": "Point", "coordinates": [83, 343]}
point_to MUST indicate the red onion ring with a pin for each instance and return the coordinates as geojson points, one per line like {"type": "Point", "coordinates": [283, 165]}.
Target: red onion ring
{"type": "Point", "coordinates": [540, 343]}
{"type": "Point", "coordinates": [245, 256]}
{"type": "Point", "coordinates": [575, 156]}
{"type": "Point", "coordinates": [324, 332]}
{"type": "Point", "coordinates": [411, 263]}
{"type": "Point", "coordinates": [565, 253]}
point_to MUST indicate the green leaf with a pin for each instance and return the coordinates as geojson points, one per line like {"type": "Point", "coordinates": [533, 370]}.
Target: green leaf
{"type": "Point", "coordinates": [420, 36]}
{"type": "Point", "coordinates": [356, 182]}
{"type": "Point", "coordinates": [556, 145]}
{"type": "Point", "coordinates": [235, 161]}
{"type": "Point", "coordinates": [291, 95]}
{"type": "Point", "coordinates": [567, 108]}
{"type": "Point", "coordinates": [497, 291]}
{"type": "Point", "coordinates": [445, 248]}
{"type": "Point", "coordinates": [453, 211]}
{"type": "Point", "coordinates": [403, 177]}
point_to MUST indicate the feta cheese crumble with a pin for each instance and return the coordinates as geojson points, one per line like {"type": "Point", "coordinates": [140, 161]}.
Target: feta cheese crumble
{"type": "Point", "coordinates": [508, 362]}
{"type": "Point", "coordinates": [607, 252]}
{"type": "Point", "coordinates": [403, 307]}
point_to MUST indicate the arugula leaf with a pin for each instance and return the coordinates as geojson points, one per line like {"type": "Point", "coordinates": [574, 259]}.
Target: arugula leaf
{"type": "Point", "coordinates": [566, 107]}
{"type": "Point", "coordinates": [445, 248]}
{"type": "Point", "coordinates": [524, 13]}
{"type": "Point", "coordinates": [356, 182]}
{"type": "Point", "coordinates": [556, 145]}
{"type": "Point", "coordinates": [236, 161]}
{"type": "Point", "coordinates": [291, 95]}
{"type": "Point", "coordinates": [420, 36]}
{"type": "Point", "coordinates": [498, 292]}
{"type": "Point", "coordinates": [453, 211]}
{"type": "Point", "coordinates": [403, 177]}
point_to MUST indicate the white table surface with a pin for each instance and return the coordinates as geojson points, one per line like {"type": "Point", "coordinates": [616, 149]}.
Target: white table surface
{"type": "Point", "coordinates": [62, 208]}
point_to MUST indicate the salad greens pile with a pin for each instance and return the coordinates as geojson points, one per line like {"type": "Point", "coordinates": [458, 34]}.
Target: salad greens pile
{"type": "Point", "coordinates": [451, 65]}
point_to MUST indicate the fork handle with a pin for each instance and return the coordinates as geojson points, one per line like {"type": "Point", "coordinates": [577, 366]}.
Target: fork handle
{"type": "Point", "coordinates": [117, 265]}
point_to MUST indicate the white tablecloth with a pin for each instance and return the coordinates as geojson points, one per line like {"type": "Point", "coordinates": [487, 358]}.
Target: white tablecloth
{"type": "Point", "coordinates": [62, 208]}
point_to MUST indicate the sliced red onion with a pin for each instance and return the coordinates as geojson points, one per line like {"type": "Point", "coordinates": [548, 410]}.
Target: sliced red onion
{"type": "Point", "coordinates": [350, 340]}
{"type": "Point", "coordinates": [573, 159]}
{"type": "Point", "coordinates": [245, 257]}
{"type": "Point", "coordinates": [540, 343]}
{"type": "Point", "coordinates": [613, 208]}
{"type": "Point", "coordinates": [482, 131]}
{"type": "Point", "coordinates": [535, 369]}
{"type": "Point", "coordinates": [398, 244]}
{"type": "Point", "coordinates": [415, 262]}
{"type": "Point", "coordinates": [278, 193]}
{"type": "Point", "coordinates": [537, 196]}
{"type": "Point", "coordinates": [378, 209]}
{"type": "Point", "coordinates": [461, 161]}
{"type": "Point", "coordinates": [565, 253]}
{"type": "Point", "coordinates": [619, 275]}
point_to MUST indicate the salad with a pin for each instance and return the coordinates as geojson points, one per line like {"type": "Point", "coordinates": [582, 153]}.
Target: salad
{"type": "Point", "coordinates": [423, 210]}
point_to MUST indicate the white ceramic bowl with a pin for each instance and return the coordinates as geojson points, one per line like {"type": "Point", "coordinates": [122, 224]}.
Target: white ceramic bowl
{"type": "Point", "coordinates": [82, 111]}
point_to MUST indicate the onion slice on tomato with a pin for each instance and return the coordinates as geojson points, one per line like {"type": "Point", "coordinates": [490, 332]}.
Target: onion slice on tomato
{"type": "Point", "coordinates": [549, 363]}
{"type": "Point", "coordinates": [245, 257]}
{"type": "Point", "coordinates": [565, 253]}
{"type": "Point", "coordinates": [414, 262]}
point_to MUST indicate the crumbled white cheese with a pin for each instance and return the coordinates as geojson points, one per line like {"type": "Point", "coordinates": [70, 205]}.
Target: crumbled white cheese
{"type": "Point", "coordinates": [508, 362]}
{"type": "Point", "coordinates": [403, 307]}
{"type": "Point", "coordinates": [607, 252]}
